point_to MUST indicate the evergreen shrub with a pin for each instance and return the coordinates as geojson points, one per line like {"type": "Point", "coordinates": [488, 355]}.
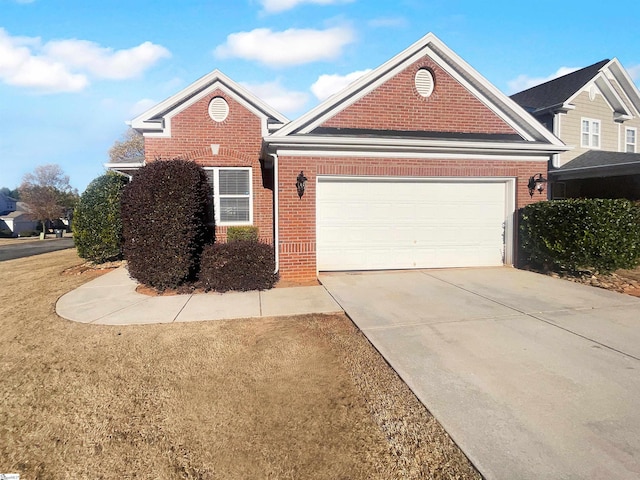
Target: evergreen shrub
{"type": "Point", "coordinates": [164, 214]}
{"type": "Point", "coordinates": [239, 265]}
{"type": "Point", "coordinates": [97, 225]}
{"type": "Point", "coordinates": [598, 234]}
{"type": "Point", "coordinates": [242, 233]}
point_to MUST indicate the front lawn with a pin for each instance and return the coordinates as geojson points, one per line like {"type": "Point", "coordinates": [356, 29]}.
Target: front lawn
{"type": "Point", "coordinates": [304, 397]}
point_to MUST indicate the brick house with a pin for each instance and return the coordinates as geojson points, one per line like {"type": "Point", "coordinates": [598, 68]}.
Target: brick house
{"type": "Point", "coordinates": [420, 163]}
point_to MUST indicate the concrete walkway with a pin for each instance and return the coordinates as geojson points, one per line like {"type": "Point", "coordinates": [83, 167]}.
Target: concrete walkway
{"type": "Point", "coordinates": [533, 377]}
{"type": "Point", "coordinates": [112, 300]}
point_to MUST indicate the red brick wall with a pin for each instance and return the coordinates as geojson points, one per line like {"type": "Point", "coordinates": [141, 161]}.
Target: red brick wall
{"type": "Point", "coordinates": [396, 105]}
{"type": "Point", "coordinates": [240, 139]}
{"type": "Point", "coordinates": [297, 223]}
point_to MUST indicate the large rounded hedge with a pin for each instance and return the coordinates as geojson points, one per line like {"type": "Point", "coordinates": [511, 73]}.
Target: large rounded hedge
{"type": "Point", "coordinates": [600, 234]}
{"type": "Point", "coordinates": [97, 225]}
{"type": "Point", "coordinates": [164, 214]}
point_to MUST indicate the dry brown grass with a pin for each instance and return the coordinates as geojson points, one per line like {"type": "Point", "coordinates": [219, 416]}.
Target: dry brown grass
{"type": "Point", "coordinates": [285, 398]}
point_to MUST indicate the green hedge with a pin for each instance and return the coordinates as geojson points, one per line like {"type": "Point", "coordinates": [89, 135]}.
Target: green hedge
{"type": "Point", "coordinates": [164, 214]}
{"type": "Point", "coordinates": [240, 265]}
{"type": "Point", "coordinates": [249, 233]}
{"type": "Point", "coordinates": [97, 225]}
{"type": "Point", "coordinates": [576, 234]}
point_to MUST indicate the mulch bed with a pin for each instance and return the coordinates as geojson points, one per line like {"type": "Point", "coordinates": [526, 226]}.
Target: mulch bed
{"type": "Point", "coordinates": [617, 282]}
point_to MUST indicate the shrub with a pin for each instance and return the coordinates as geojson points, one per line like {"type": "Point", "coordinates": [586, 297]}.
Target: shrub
{"type": "Point", "coordinates": [164, 213]}
{"type": "Point", "coordinates": [5, 233]}
{"type": "Point", "coordinates": [97, 225]}
{"type": "Point", "coordinates": [28, 233]}
{"type": "Point", "coordinates": [587, 233]}
{"type": "Point", "coordinates": [248, 232]}
{"type": "Point", "coordinates": [240, 265]}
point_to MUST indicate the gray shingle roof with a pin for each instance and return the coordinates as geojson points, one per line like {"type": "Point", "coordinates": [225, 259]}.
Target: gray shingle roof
{"type": "Point", "coordinates": [598, 164]}
{"type": "Point", "coordinates": [556, 91]}
{"type": "Point", "coordinates": [600, 158]}
{"type": "Point", "coordinates": [361, 132]}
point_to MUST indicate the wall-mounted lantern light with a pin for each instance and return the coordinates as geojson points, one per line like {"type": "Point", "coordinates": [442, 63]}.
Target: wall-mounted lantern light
{"type": "Point", "coordinates": [536, 183]}
{"type": "Point", "coordinates": [301, 183]}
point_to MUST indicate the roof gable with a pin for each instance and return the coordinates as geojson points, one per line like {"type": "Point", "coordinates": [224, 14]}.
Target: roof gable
{"type": "Point", "coordinates": [619, 76]}
{"type": "Point", "coordinates": [611, 79]}
{"type": "Point", "coordinates": [396, 105]}
{"type": "Point", "coordinates": [463, 85]}
{"type": "Point", "coordinates": [157, 120]}
{"type": "Point", "coordinates": [557, 91]}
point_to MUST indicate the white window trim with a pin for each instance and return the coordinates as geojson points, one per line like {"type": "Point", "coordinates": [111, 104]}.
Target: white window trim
{"type": "Point", "coordinates": [592, 122]}
{"type": "Point", "coordinates": [216, 196]}
{"type": "Point", "coordinates": [635, 140]}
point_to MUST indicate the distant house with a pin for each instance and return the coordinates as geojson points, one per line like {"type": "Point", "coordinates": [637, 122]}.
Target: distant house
{"type": "Point", "coordinates": [7, 204]}
{"type": "Point", "coordinates": [18, 220]}
{"type": "Point", "coordinates": [595, 110]}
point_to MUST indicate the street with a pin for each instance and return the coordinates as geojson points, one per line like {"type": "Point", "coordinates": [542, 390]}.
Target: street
{"type": "Point", "coordinates": [29, 248]}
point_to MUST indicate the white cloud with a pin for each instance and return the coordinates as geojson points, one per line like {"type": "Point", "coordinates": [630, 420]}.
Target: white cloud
{"type": "Point", "coordinates": [105, 62]}
{"type": "Point", "coordinates": [67, 65]}
{"type": "Point", "coordinates": [327, 85]}
{"type": "Point", "coordinates": [290, 47]}
{"type": "Point", "coordinates": [277, 96]}
{"type": "Point", "coordinates": [523, 82]}
{"type": "Point", "coordinates": [274, 6]}
{"type": "Point", "coordinates": [20, 67]}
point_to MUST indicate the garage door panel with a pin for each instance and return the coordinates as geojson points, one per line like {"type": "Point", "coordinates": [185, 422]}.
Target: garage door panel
{"type": "Point", "coordinates": [388, 224]}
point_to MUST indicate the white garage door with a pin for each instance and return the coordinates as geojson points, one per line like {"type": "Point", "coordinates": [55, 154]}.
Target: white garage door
{"type": "Point", "coordinates": [384, 223]}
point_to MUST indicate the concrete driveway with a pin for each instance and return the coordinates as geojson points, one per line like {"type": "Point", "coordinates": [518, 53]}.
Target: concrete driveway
{"type": "Point", "coordinates": [534, 377]}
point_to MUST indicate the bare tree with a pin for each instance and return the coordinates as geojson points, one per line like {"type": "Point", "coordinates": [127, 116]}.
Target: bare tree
{"type": "Point", "coordinates": [129, 149]}
{"type": "Point", "coordinates": [47, 193]}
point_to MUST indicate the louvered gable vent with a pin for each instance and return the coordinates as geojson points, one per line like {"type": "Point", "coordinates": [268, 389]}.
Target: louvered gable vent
{"type": "Point", "coordinates": [424, 82]}
{"type": "Point", "coordinates": [218, 109]}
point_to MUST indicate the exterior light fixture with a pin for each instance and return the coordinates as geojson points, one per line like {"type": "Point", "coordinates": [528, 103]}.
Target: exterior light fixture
{"type": "Point", "coordinates": [536, 183]}
{"type": "Point", "coordinates": [301, 183]}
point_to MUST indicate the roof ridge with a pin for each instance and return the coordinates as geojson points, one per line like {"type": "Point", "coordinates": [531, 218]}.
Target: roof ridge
{"type": "Point", "coordinates": [558, 90]}
{"type": "Point", "coordinates": [600, 64]}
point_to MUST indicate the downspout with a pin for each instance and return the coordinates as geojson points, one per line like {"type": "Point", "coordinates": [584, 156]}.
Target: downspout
{"type": "Point", "coordinates": [276, 208]}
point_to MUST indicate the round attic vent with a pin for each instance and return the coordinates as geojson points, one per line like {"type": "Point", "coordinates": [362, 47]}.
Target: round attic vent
{"type": "Point", "coordinates": [424, 82]}
{"type": "Point", "coordinates": [218, 109]}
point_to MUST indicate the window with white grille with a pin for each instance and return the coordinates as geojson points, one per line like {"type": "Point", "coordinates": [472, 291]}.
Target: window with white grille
{"type": "Point", "coordinates": [590, 133]}
{"type": "Point", "coordinates": [231, 195]}
{"type": "Point", "coordinates": [630, 140]}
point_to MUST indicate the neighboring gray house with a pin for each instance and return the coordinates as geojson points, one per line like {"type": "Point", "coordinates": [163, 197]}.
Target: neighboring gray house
{"type": "Point", "coordinates": [7, 204]}
{"type": "Point", "coordinates": [596, 111]}
{"type": "Point", "coordinates": [18, 219]}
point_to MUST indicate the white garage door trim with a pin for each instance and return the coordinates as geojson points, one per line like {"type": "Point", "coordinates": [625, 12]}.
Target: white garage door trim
{"type": "Point", "coordinates": [460, 184]}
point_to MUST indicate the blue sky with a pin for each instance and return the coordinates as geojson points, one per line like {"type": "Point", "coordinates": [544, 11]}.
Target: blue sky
{"type": "Point", "coordinates": [72, 72]}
